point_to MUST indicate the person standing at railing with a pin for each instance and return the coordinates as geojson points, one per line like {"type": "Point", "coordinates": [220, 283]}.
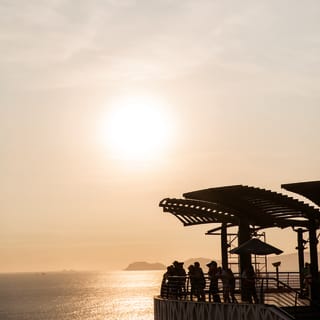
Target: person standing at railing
{"type": "Point", "coordinates": [191, 279]}
{"type": "Point", "coordinates": [166, 285]}
{"type": "Point", "coordinates": [307, 278]}
{"type": "Point", "coordinates": [228, 282]}
{"type": "Point", "coordinates": [249, 285]}
{"type": "Point", "coordinates": [180, 274]}
{"type": "Point", "coordinates": [199, 281]}
{"type": "Point", "coordinates": [213, 277]}
{"type": "Point", "coordinates": [232, 285]}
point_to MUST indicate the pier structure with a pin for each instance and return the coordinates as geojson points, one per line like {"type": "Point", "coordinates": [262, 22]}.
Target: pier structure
{"type": "Point", "coordinates": [252, 210]}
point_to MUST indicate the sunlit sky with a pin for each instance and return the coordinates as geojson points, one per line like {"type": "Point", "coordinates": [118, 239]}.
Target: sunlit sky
{"type": "Point", "coordinates": [233, 93]}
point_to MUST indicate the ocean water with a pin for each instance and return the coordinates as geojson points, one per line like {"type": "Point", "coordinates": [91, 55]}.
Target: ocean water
{"type": "Point", "coordinates": [121, 295]}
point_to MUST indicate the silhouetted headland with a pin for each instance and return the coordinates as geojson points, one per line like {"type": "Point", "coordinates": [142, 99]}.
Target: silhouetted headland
{"type": "Point", "coordinates": [142, 265]}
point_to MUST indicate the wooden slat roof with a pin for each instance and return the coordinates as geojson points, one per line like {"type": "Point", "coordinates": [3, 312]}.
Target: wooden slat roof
{"type": "Point", "coordinates": [262, 208]}
{"type": "Point", "coordinates": [309, 189]}
{"type": "Point", "coordinates": [192, 212]}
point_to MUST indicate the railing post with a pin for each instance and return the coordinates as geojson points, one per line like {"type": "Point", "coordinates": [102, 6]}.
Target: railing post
{"type": "Point", "coordinates": [262, 291]}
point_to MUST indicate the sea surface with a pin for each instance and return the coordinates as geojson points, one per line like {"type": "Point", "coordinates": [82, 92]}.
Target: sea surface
{"type": "Point", "coordinates": [120, 295]}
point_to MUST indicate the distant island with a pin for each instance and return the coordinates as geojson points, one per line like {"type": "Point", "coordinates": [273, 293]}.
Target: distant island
{"type": "Point", "coordinates": [289, 262]}
{"type": "Point", "coordinates": [142, 265]}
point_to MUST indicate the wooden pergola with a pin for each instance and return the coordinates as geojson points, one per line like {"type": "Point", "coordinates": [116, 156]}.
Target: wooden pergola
{"type": "Point", "coordinates": [251, 209]}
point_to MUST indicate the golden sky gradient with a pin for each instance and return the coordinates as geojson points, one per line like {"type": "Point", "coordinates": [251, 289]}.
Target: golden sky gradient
{"type": "Point", "coordinates": [232, 86]}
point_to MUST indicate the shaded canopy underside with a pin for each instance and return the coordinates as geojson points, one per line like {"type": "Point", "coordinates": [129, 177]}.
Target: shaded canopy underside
{"type": "Point", "coordinates": [261, 208]}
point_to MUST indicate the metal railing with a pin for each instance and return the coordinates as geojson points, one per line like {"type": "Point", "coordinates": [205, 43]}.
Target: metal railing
{"type": "Point", "coordinates": [291, 279]}
{"type": "Point", "coordinates": [276, 292]}
{"type": "Point", "coordinates": [281, 291]}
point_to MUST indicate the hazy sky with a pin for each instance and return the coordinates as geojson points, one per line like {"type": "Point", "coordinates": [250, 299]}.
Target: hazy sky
{"type": "Point", "coordinates": [237, 84]}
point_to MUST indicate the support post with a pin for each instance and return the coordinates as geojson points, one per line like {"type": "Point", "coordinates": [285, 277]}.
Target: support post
{"type": "Point", "coordinates": [300, 248]}
{"type": "Point", "coordinates": [314, 269]}
{"type": "Point", "coordinates": [244, 235]}
{"type": "Point", "coordinates": [224, 246]}
{"type": "Point", "coordinates": [245, 258]}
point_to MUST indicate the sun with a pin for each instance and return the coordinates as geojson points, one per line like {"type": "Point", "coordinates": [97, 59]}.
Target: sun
{"type": "Point", "coordinates": [137, 128]}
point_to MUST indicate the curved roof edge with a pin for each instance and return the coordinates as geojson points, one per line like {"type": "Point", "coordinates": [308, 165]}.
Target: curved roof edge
{"type": "Point", "coordinates": [260, 207]}
{"type": "Point", "coordinates": [308, 189]}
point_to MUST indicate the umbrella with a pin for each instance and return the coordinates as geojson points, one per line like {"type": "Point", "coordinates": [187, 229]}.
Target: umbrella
{"type": "Point", "coordinates": [256, 246]}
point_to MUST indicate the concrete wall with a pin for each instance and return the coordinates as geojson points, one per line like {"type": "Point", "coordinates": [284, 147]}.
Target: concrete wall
{"type": "Point", "coordinates": [165, 309]}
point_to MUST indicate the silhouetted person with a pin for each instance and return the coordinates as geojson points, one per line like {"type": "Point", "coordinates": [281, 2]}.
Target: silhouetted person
{"type": "Point", "coordinates": [213, 277]}
{"type": "Point", "coordinates": [249, 284]}
{"type": "Point", "coordinates": [191, 279]}
{"type": "Point", "coordinates": [199, 282]}
{"type": "Point", "coordinates": [306, 273]}
{"type": "Point", "coordinates": [228, 282]}
{"type": "Point", "coordinates": [232, 284]}
{"type": "Point", "coordinates": [166, 284]}
{"type": "Point", "coordinates": [180, 280]}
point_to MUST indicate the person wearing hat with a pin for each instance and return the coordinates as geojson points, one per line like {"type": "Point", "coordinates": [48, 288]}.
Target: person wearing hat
{"type": "Point", "coordinates": [213, 276]}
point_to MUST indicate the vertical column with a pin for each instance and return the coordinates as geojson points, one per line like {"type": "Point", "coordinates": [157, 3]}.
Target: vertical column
{"type": "Point", "coordinates": [224, 246]}
{"type": "Point", "coordinates": [300, 248]}
{"type": "Point", "coordinates": [243, 236]}
{"type": "Point", "coordinates": [314, 269]}
{"type": "Point", "coordinates": [245, 258]}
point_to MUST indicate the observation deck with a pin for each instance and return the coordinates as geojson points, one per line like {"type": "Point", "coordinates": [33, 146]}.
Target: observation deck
{"type": "Point", "coordinates": [250, 209]}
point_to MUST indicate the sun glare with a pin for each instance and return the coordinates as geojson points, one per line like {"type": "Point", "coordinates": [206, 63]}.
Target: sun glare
{"type": "Point", "coordinates": [137, 128]}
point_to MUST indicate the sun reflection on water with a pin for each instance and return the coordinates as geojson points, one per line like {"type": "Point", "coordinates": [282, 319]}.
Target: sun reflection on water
{"type": "Point", "coordinates": [132, 295]}
{"type": "Point", "coordinates": [123, 295]}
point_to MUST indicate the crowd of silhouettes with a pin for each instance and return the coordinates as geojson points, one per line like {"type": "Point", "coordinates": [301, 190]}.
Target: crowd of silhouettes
{"type": "Point", "coordinates": [197, 281]}
{"type": "Point", "coordinates": [228, 283]}
{"type": "Point", "coordinates": [174, 283]}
